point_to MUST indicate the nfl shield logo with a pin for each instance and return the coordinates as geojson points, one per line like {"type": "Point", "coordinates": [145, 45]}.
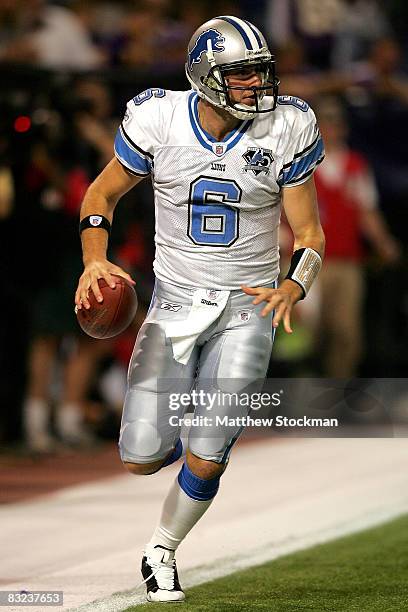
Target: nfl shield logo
{"type": "Point", "coordinates": [244, 315]}
{"type": "Point", "coordinates": [95, 220]}
{"type": "Point", "coordinates": [212, 294]}
{"type": "Point", "coordinates": [218, 149]}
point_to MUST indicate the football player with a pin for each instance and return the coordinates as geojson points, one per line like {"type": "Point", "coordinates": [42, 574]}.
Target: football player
{"type": "Point", "coordinates": [223, 157]}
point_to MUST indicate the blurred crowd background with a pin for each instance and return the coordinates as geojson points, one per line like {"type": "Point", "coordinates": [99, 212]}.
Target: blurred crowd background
{"type": "Point", "coordinates": [67, 69]}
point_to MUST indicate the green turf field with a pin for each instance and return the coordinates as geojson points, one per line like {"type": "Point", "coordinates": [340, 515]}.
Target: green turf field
{"type": "Point", "coordinates": [363, 572]}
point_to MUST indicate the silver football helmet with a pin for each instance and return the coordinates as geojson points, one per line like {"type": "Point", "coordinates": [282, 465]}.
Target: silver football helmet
{"type": "Point", "coordinates": [226, 44]}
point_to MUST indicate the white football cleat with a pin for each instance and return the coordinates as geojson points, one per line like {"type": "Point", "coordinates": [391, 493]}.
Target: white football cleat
{"type": "Point", "coordinates": [160, 575]}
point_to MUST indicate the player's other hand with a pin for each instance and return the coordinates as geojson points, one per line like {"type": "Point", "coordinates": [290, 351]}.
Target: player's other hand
{"type": "Point", "coordinates": [94, 271]}
{"type": "Point", "coordinates": [281, 300]}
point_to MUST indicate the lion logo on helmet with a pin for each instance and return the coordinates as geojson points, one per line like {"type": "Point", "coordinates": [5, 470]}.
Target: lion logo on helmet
{"type": "Point", "coordinates": [201, 45]}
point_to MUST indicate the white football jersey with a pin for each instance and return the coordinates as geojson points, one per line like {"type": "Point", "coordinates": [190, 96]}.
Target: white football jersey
{"type": "Point", "coordinates": [217, 204]}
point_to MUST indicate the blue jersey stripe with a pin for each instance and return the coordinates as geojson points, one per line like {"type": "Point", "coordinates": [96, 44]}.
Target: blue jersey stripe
{"type": "Point", "coordinates": [258, 38]}
{"type": "Point", "coordinates": [206, 139]}
{"type": "Point", "coordinates": [305, 150]}
{"type": "Point", "coordinates": [298, 169]}
{"type": "Point", "coordinates": [122, 163]}
{"type": "Point", "coordinates": [240, 29]}
{"type": "Point", "coordinates": [130, 157]}
{"type": "Point", "coordinates": [202, 131]}
{"type": "Point", "coordinates": [133, 144]}
{"type": "Point", "coordinates": [242, 127]}
{"type": "Point", "coordinates": [193, 122]}
{"type": "Point", "coordinates": [303, 176]}
{"type": "Point", "coordinates": [240, 134]}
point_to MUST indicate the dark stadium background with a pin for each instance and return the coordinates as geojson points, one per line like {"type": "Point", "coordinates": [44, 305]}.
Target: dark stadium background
{"type": "Point", "coordinates": [58, 112]}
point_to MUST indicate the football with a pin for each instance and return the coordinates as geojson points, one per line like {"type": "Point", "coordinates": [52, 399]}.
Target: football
{"type": "Point", "coordinates": [111, 316]}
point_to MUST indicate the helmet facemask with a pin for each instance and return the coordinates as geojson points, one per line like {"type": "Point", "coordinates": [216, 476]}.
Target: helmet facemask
{"type": "Point", "coordinates": [216, 81]}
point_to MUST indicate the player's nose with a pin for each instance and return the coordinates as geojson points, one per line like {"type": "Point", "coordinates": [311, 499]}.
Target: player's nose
{"type": "Point", "coordinates": [255, 80]}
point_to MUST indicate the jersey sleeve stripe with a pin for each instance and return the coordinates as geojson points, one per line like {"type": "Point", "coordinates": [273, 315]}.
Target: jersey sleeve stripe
{"type": "Point", "coordinates": [309, 148]}
{"type": "Point", "coordinates": [305, 150]}
{"type": "Point", "coordinates": [133, 144]}
{"type": "Point", "coordinates": [301, 166]}
{"type": "Point", "coordinates": [301, 179]}
{"type": "Point", "coordinates": [130, 158]}
{"type": "Point", "coordinates": [126, 166]}
{"type": "Point", "coordinates": [122, 163]}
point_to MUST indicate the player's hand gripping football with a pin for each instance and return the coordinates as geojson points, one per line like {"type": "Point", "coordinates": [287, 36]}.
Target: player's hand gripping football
{"type": "Point", "coordinates": [95, 270]}
{"type": "Point", "coordinates": [281, 300]}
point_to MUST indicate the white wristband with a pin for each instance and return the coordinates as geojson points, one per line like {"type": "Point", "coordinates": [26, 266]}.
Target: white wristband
{"type": "Point", "coordinates": [305, 266]}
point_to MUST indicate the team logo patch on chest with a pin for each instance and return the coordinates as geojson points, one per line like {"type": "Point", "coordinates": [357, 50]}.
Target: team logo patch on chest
{"type": "Point", "coordinates": [257, 160]}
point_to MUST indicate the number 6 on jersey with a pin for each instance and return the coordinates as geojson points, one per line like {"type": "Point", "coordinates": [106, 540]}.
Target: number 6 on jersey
{"type": "Point", "coordinates": [211, 221]}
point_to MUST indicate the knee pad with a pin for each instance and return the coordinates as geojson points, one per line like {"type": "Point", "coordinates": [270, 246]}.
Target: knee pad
{"type": "Point", "coordinates": [140, 442]}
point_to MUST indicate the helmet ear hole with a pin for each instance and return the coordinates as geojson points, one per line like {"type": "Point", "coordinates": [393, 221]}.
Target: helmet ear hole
{"type": "Point", "coordinates": [210, 81]}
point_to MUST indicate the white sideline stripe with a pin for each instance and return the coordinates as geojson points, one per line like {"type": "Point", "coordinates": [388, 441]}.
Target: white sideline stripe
{"type": "Point", "coordinates": [193, 577]}
{"type": "Point", "coordinates": [121, 601]}
{"type": "Point", "coordinates": [87, 539]}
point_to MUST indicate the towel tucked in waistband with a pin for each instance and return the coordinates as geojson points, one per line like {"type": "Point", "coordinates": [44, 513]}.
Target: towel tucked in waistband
{"type": "Point", "coordinates": [204, 311]}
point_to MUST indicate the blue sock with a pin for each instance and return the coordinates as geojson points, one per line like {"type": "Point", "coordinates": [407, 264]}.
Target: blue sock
{"type": "Point", "coordinates": [176, 454]}
{"type": "Point", "coordinates": [195, 487]}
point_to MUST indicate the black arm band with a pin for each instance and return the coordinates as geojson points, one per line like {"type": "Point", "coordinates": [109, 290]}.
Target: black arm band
{"type": "Point", "coordinates": [94, 221]}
